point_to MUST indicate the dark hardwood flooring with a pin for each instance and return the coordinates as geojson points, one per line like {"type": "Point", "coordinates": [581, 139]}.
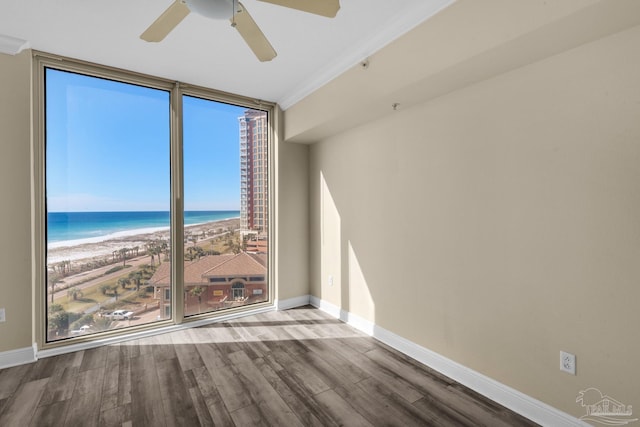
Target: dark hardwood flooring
{"type": "Point", "coordinates": [291, 368]}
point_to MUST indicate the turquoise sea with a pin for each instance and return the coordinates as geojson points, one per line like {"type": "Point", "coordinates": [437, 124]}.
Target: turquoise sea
{"type": "Point", "coordinates": [97, 226]}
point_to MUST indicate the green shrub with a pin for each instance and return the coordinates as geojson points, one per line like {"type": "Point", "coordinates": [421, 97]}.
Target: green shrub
{"type": "Point", "coordinates": [114, 269]}
{"type": "Point", "coordinates": [53, 308]}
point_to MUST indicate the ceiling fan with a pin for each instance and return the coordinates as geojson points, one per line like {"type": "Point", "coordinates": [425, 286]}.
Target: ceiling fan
{"type": "Point", "coordinates": [239, 17]}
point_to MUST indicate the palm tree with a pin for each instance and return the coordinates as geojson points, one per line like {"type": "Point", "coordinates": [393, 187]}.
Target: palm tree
{"type": "Point", "coordinates": [62, 267]}
{"type": "Point", "coordinates": [74, 293]}
{"type": "Point", "coordinates": [147, 271]}
{"type": "Point", "coordinates": [123, 282]}
{"type": "Point", "coordinates": [123, 253]}
{"type": "Point", "coordinates": [194, 252]}
{"type": "Point", "coordinates": [53, 278]}
{"type": "Point", "coordinates": [151, 251]}
{"type": "Point", "coordinates": [156, 247]}
{"type": "Point", "coordinates": [135, 277]}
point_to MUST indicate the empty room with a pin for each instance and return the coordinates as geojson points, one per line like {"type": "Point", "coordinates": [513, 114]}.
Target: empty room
{"type": "Point", "coordinates": [331, 212]}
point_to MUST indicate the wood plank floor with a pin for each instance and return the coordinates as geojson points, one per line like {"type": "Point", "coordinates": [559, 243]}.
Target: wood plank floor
{"type": "Point", "coordinates": [290, 368]}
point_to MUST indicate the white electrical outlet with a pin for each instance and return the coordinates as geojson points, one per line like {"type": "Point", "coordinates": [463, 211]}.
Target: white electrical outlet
{"type": "Point", "coordinates": [567, 362]}
{"type": "Point", "coordinates": [330, 280]}
{"type": "Point", "coordinates": [2, 315]}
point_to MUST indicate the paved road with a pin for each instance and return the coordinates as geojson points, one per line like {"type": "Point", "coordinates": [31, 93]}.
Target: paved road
{"type": "Point", "coordinates": [98, 277]}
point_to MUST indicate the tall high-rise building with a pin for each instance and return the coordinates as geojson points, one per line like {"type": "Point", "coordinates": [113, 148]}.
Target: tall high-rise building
{"type": "Point", "coordinates": [254, 162]}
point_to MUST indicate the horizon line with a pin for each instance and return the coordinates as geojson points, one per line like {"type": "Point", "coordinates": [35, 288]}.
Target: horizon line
{"type": "Point", "coordinates": [155, 210]}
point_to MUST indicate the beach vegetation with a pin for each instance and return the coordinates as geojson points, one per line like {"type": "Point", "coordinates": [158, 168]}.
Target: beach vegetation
{"type": "Point", "coordinates": [147, 269]}
{"type": "Point", "coordinates": [226, 243]}
{"type": "Point", "coordinates": [53, 278]}
{"type": "Point", "coordinates": [55, 307]}
{"type": "Point", "coordinates": [135, 277]}
{"type": "Point", "coordinates": [233, 244]}
{"type": "Point", "coordinates": [194, 252]}
{"type": "Point", "coordinates": [123, 282]}
{"type": "Point", "coordinates": [63, 268]}
{"type": "Point", "coordinates": [123, 252]}
{"type": "Point", "coordinates": [155, 248]}
{"type": "Point", "coordinates": [114, 269]}
{"type": "Point", "coordinates": [59, 322]}
{"type": "Point", "coordinates": [74, 293]}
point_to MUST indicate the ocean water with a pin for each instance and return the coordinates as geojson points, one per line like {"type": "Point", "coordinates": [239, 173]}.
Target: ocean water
{"type": "Point", "coordinates": [68, 228]}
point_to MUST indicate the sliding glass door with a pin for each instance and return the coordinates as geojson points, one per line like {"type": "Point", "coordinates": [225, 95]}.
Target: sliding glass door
{"type": "Point", "coordinates": [107, 200]}
{"type": "Point", "coordinates": [225, 202]}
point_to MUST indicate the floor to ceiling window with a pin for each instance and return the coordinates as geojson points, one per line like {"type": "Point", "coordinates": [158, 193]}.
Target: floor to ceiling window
{"type": "Point", "coordinates": [154, 201]}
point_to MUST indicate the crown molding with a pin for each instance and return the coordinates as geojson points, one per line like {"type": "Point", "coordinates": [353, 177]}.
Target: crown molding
{"type": "Point", "coordinates": [12, 45]}
{"type": "Point", "coordinates": [403, 23]}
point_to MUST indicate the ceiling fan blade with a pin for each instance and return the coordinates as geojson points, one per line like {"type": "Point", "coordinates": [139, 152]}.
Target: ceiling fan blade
{"type": "Point", "coordinates": [328, 8]}
{"type": "Point", "coordinates": [166, 22]}
{"type": "Point", "coordinates": [252, 34]}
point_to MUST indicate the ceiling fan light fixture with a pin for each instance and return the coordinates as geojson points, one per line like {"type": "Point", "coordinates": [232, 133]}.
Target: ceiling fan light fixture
{"type": "Point", "coordinates": [214, 9]}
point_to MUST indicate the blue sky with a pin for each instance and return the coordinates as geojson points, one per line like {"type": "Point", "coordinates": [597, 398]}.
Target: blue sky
{"type": "Point", "coordinates": [108, 148]}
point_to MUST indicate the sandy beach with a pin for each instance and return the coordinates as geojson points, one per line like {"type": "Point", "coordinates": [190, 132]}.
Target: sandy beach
{"type": "Point", "coordinates": [86, 252]}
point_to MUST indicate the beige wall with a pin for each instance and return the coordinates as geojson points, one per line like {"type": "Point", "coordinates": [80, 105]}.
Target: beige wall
{"type": "Point", "coordinates": [292, 162]}
{"type": "Point", "coordinates": [498, 224]}
{"type": "Point", "coordinates": [15, 193]}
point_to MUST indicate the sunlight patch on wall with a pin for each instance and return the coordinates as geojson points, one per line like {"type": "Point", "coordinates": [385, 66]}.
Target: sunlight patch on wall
{"type": "Point", "coordinates": [330, 247]}
{"type": "Point", "coordinates": [360, 300]}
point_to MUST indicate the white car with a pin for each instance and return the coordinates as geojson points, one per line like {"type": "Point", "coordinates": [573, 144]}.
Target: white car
{"type": "Point", "coordinates": [119, 315]}
{"type": "Point", "coordinates": [81, 331]}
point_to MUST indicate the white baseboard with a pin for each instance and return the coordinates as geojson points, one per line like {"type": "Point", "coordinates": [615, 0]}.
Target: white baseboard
{"type": "Point", "coordinates": [327, 307]}
{"type": "Point", "coordinates": [286, 304]}
{"type": "Point", "coordinates": [17, 357]}
{"type": "Point", "coordinates": [518, 402]}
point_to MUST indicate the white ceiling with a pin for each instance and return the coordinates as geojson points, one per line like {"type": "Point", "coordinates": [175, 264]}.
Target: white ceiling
{"type": "Point", "coordinates": [312, 50]}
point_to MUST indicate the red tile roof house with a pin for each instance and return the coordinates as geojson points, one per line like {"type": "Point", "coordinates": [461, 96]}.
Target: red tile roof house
{"type": "Point", "coordinates": [227, 281]}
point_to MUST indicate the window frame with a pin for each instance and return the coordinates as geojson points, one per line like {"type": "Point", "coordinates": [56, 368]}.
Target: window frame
{"type": "Point", "coordinates": [42, 61]}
